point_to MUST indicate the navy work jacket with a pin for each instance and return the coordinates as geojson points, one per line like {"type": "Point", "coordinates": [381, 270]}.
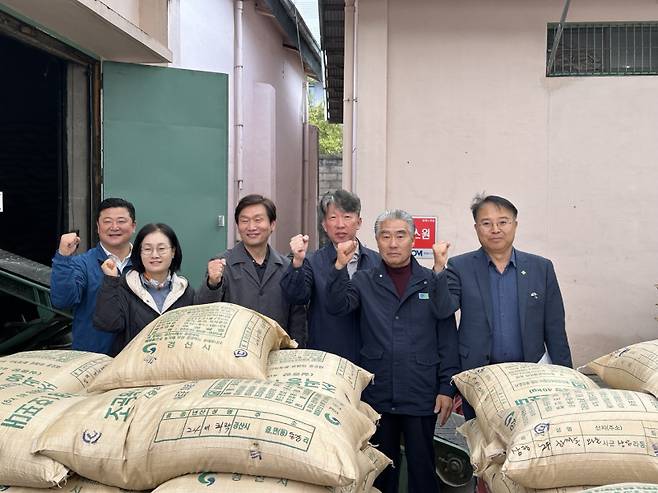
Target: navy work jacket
{"type": "Point", "coordinates": [338, 334]}
{"type": "Point", "coordinates": [409, 343]}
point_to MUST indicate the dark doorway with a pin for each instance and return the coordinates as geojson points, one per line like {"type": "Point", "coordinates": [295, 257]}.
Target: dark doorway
{"type": "Point", "coordinates": [32, 157]}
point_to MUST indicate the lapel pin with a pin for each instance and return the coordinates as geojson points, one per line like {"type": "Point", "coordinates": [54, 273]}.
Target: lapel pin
{"type": "Point", "coordinates": [534, 295]}
{"type": "Point", "coordinates": [523, 273]}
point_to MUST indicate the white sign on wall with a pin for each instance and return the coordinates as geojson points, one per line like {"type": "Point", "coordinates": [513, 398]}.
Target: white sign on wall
{"type": "Point", "coordinates": [0, 201]}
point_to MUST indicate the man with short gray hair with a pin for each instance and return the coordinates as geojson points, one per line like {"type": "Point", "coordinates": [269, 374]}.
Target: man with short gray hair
{"type": "Point", "coordinates": [306, 277]}
{"type": "Point", "coordinates": [409, 339]}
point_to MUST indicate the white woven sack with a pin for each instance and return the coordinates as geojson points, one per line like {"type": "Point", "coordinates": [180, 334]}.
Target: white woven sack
{"type": "Point", "coordinates": [320, 371]}
{"type": "Point", "coordinates": [371, 463]}
{"type": "Point", "coordinates": [75, 484]}
{"type": "Point", "coordinates": [482, 452]}
{"type": "Point", "coordinates": [495, 388]}
{"type": "Point", "coordinates": [595, 437]}
{"type": "Point", "coordinates": [24, 413]}
{"type": "Point", "coordinates": [626, 488]}
{"type": "Point", "coordinates": [53, 369]}
{"type": "Point", "coordinates": [630, 368]}
{"type": "Point", "coordinates": [139, 438]}
{"type": "Point", "coordinates": [497, 482]}
{"type": "Point", "coordinates": [217, 340]}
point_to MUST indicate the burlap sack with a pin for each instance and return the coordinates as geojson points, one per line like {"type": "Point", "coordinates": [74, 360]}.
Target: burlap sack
{"type": "Point", "coordinates": [63, 370]}
{"type": "Point", "coordinates": [481, 451]}
{"type": "Point", "coordinates": [24, 414]}
{"type": "Point", "coordinates": [573, 437]}
{"type": "Point", "coordinates": [323, 372]}
{"type": "Point", "coordinates": [368, 410]}
{"type": "Point", "coordinates": [497, 482]}
{"type": "Point", "coordinates": [75, 484]}
{"type": "Point", "coordinates": [630, 368]}
{"type": "Point", "coordinates": [371, 463]}
{"type": "Point", "coordinates": [494, 388]}
{"type": "Point", "coordinates": [217, 340]}
{"type": "Point", "coordinates": [626, 488]}
{"type": "Point", "coordinates": [139, 438]}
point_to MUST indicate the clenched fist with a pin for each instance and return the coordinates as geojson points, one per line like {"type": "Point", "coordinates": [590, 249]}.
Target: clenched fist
{"type": "Point", "coordinates": [216, 271]}
{"type": "Point", "coordinates": [344, 253]}
{"type": "Point", "coordinates": [298, 247]}
{"type": "Point", "coordinates": [440, 251]}
{"type": "Point", "coordinates": [109, 268]}
{"type": "Point", "coordinates": [68, 243]}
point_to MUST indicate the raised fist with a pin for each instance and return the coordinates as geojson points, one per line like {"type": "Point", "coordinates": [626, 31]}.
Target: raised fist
{"type": "Point", "coordinates": [216, 271]}
{"type": "Point", "coordinates": [68, 244]}
{"type": "Point", "coordinates": [440, 251]}
{"type": "Point", "coordinates": [344, 252]}
{"type": "Point", "coordinates": [109, 268]}
{"type": "Point", "coordinates": [298, 247]}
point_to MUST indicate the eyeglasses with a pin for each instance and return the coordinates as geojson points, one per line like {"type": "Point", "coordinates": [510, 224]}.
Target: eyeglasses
{"type": "Point", "coordinates": [161, 250]}
{"type": "Point", "coordinates": [488, 225]}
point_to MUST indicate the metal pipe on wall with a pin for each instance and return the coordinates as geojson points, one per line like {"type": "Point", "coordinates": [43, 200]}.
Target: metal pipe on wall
{"type": "Point", "coordinates": [235, 190]}
{"type": "Point", "coordinates": [348, 98]}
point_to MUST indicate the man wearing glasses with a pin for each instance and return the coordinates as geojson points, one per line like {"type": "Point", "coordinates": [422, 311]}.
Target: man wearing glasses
{"type": "Point", "coordinates": [510, 301]}
{"type": "Point", "coordinates": [75, 279]}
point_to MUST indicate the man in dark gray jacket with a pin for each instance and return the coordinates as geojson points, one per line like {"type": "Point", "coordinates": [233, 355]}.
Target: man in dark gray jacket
{"type": "Point", "coordinates": [249, 273]}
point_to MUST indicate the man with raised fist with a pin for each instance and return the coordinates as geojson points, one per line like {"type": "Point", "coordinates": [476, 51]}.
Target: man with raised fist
{"type": "Point", "coordinates": [75, 279]}
{"type": "Point", "coordinates": [249, 273]}
{"type": "Point", "coordinates": [409, 336]}
{"type": "Point", "coordinates": [305, 279]}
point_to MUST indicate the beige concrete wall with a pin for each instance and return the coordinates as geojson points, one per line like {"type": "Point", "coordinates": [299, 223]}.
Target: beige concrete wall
{"type": "Point", "coordinates": [150, 16]}
{"type": "Point", "coordinates": [267, 61]}
{"type": "Point", "coordinates": [202, 34]}
{"type": "Point", "coordinates": [453, 100]}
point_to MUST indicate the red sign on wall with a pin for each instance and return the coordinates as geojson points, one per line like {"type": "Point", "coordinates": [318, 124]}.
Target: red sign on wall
{"type": "Point", "coordinates": [425, 232]}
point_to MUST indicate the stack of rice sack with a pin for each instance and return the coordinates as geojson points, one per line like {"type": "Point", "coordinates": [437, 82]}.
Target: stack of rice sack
{"type": "Point", "coordinates": [543, 427]}
{"type": "Point", "coordinates": [36, 388]}
{"type": "Point", "coordinates": [63, 370]}
{"type": "Point", "coordinates": [190, 395]}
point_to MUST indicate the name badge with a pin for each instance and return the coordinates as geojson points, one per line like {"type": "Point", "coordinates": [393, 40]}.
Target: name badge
{"type": "Point", "coordinates": [423, 296]}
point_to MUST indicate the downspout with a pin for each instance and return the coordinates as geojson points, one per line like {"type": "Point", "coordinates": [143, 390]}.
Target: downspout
{"type": "Point", "coordinates": [235, 190]}
{"type": "Point", "coordinates": [306, 144]}
{"type": "Point", "coordinates": [348, 97]}
{"type": "Point", "coordinates": [556, 39]}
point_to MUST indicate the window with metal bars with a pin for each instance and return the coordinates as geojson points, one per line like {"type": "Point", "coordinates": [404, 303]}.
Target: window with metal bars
{"type": "Point", "coordinates": [604, 49]}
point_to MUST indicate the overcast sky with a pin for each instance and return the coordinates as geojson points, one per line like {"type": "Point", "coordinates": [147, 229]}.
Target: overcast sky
{"type": "Point", "coordinates": [309, 11]}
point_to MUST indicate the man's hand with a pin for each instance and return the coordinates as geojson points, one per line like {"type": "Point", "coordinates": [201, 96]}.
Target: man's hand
{"type": "Point", "coordinates": [109, 268]}
{"type": "Point", "coordinates": [440, 251]}
{"type": "Point", "coordinates": [298, 247]}
{"type": "Point", "coordinates": [344, 253]}
{"type": "Point", "coordinates": [443, 407]}
{"type": "Point", "coordinates": [216, 271]}
{"type": "Point", "coordinates": [68, 243]}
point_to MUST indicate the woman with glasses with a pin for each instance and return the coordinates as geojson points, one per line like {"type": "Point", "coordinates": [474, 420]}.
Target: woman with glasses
{"type": "Point", "coordinates": [125, 305]}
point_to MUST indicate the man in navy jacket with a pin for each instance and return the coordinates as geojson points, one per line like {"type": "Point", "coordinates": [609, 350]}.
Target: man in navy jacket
{"type": "Point", "coordinates": [306, 277]}
{"type": "Point", "coordinates": [75, 279]}
{"type": "Point", "coordinates": [409, 341]}
{"type": "Point", "coordinates": [510, 301]}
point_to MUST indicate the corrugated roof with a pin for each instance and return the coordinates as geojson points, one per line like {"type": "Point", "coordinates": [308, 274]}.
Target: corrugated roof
{"type": "Point", "coordinates": [332, 32]}
{"type": "Point", "coordinates": [290, 20]}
